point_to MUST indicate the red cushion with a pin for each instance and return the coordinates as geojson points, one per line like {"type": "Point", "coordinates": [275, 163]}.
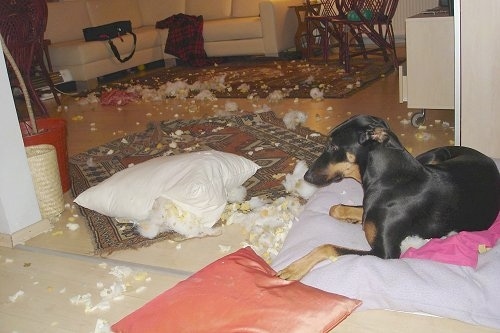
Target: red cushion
{"type": "Point", "coordinates": [239, 293]}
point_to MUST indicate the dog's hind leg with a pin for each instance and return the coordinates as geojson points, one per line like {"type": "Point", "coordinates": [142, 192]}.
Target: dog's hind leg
{"type": "Point", "coordinates": [351, 214]}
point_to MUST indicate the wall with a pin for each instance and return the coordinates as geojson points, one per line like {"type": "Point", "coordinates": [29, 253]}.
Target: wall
{"type": "Point", "coordinates": [407, 8]}
{"type": "Point", "coordinates": [479, 77]}
{"type": "Point", "coordinates": [18, 205]}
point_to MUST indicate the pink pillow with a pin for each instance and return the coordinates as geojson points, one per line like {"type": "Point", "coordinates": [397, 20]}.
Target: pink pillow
{"type": "Point", "coordinates": [239, 293]}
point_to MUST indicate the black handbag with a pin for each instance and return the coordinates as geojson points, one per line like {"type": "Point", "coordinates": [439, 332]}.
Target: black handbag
{"type": "Point", "coordinates": [108, 32]}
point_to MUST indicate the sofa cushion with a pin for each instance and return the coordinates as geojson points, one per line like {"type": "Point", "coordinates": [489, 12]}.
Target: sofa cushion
{"type": "Point", "coordinates": [65, 21]}
{"type": "Point", "coordinates": [107, 11]}
{"type": "Point", "coordinates": [153, 11]}
{"type": "Point", "coordinates": [77, 52]}
{"type": "Point", "coordinates": [209, 9]}
{"type": "Point", "coordinates": [245, 8]}
{"type": "Point", "coordinates": [237, 28]}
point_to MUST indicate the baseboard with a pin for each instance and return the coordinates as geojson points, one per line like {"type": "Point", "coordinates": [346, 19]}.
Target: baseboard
{"type": "Point", "coordinates": [21, 236]}
{"type": "Point", "coordinates": [6, 240]}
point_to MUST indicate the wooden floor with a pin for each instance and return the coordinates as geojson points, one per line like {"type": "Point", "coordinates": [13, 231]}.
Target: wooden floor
{"type": "Point", "coordinates": [40, 277]}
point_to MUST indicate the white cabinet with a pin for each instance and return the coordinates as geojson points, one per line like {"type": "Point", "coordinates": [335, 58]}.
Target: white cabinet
{"type": "Point", "coordinates": [427, 77]}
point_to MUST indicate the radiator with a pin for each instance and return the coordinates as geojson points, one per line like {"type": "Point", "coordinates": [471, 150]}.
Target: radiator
{"type": "Point", "coordinates": [407, 8]}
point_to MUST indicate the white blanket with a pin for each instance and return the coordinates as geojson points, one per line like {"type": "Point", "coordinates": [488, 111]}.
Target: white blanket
{"type": "Point", "coordinates": [412, 285]}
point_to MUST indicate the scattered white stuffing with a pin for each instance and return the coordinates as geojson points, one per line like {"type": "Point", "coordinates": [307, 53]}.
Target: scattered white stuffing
{"type": "Point", "coordinates": [266, 224]}
{"type": "Point", "coordinates": [121, 272]}
{"type": "Point", "coordinates": [178, 89]}
{"type": "Point", "coordinates": [423, 136]}
{"type": "Point", "coordinates": [102, 326]}
{"type": "Point", "coordinates": [165, 215]}
{"type": "Point", "coordinates": [309, 80]}
{"type": "Point", "coordinates": [263, 108]}
{"type": "Point", "coordinates": [224, 248]}
{"type": "Point", "coordinates": [237, 194]}
{"type": "Point", "coordinates": [140, 289]}
{"type": "Point", "coordinates": [141, 276]}
{"type": "Point", "coordinates": [295, 184]}
{"type": "Point", "coordinates": [89, 99]}
{"type": "Point", "coordinates": [252, 96]}
{"type": "Point", "coordinates": [417, 242]}
{"type": "Point", "coordinates": [72, 226]}
{"type": "Point", "coordinates": [81, 299]}
{"type": "Point", "coordinates": [276, 96]}
{"type": "Point", "coordinates": [244, 88]}
{"type": "Point", "coordinates": [293, 118]}
{"type": "Point", "coordinates": [14, 297]}
{"type": "Point", "coordinates": [231, 106]}
{"type": "Point", "coordinates": [91, 163]}
{"type": "Point", "coordinates": [316, 94]}
{"type": "Point", "coordinates": [205, 95]}
{"type": "Point", "coordinates": [124, 277]}
{"type": "Point", "coordinates": [113, 292]}
{"type": "Point", "coordinates": [412, 242]}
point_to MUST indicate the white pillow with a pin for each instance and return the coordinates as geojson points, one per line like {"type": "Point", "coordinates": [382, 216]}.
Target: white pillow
{"type": "Point", "coordinates": [197, 183]}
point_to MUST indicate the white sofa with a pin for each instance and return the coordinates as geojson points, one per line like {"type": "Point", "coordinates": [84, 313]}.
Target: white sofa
{"type": "Point", "coordinates": [231, 28]}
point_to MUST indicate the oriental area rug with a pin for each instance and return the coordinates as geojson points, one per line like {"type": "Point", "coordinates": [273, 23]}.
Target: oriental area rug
{"type": "Point", "coordinates": [244, 77]}
{"type": "Point", "coordinates": [261, 137]}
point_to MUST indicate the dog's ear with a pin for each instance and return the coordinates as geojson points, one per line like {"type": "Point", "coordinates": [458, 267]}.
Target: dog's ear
{"type": "Point", "coordinates": [377, 134]}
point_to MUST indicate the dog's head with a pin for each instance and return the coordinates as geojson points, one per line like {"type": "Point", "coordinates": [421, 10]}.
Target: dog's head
{"type": "Point", "coordinates": [345, 149]}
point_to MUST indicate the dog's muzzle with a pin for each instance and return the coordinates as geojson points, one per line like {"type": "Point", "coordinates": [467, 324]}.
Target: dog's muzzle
{"type": "Point", "coordinates": [321, 179]}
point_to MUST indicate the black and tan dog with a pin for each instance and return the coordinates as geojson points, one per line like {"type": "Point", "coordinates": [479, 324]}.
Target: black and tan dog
{"type": "Point", "coordinates": [444, 190]}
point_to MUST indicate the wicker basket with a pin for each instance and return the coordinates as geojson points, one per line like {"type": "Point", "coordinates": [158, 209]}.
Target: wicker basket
{"type": "Point", "coordinates": [42, 160]}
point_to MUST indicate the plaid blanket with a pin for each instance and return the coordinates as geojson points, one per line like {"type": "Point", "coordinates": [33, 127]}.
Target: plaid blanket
{"type": "Point", "coordinates": [185, 38]}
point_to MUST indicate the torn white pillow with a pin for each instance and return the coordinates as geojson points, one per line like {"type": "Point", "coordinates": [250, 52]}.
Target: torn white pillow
{"type": "Point", "coordinates": [197, 183]}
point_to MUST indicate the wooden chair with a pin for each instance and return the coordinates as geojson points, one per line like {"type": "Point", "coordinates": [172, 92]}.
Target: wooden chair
{"type": "Point", "coordinates": [366, 18]}
{"type": "Point", "coordinates": [321, 33]}
{"type": "Point", "coordinates": [22, 25]}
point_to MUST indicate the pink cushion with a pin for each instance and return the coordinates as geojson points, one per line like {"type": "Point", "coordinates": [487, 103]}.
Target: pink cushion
{"type": "Point", "coordinates": [459, 249]}
{"type": "Point", "coordinates": [239, 293]}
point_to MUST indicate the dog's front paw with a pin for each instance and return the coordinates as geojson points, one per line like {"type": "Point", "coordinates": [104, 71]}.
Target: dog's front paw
{"type": "Point", "coordinates": [336, 212]}
{"type": "Point", "coordinates": [351, 214]}
{"type": "Point", "coordinates": [293, 272]}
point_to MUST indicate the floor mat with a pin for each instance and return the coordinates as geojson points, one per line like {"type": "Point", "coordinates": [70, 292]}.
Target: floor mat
{"type": "Point", "coordinates": [246, 77]}
{"type": "Point", "coordinates": [260, 137]}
